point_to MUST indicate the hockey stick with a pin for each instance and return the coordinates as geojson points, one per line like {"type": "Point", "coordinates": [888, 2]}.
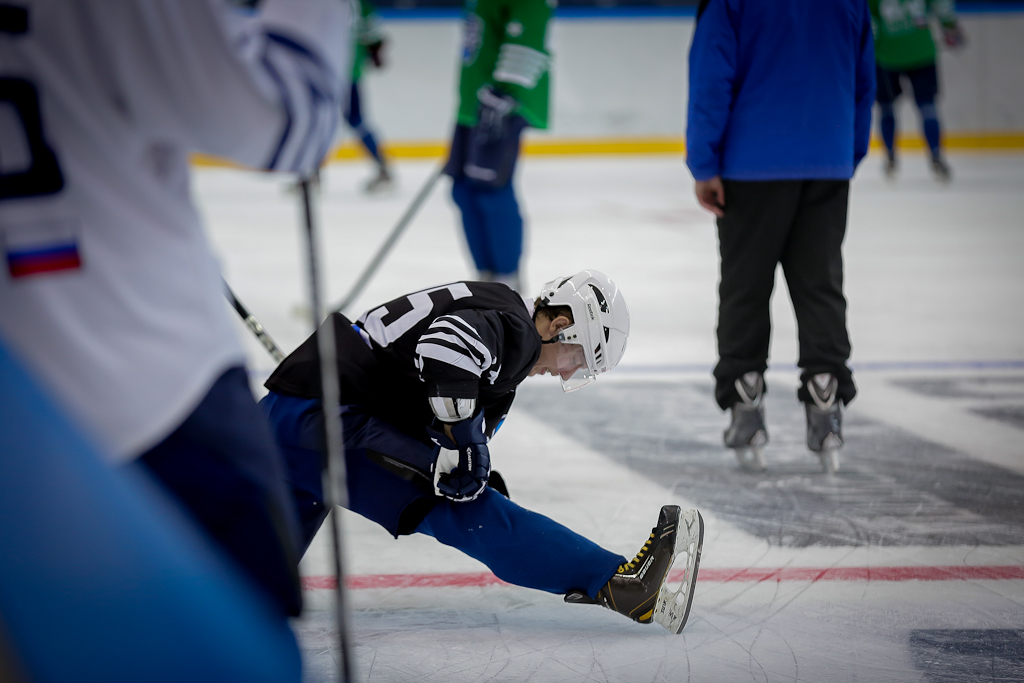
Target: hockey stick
{"type": "Point", "coordinates": [253, 324]}
{"type": "Point", "coordinates": [334, 476]}
{"type": "Point", "coordinates": [389, 243]}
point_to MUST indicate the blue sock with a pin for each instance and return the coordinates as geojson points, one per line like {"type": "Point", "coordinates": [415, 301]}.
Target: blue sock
{"type": "Point", "coordinates": [474, 223]}
{"type": "Point", "coordinates": [888, 126]}
{"type": "Point", "coordinates": [930, 123]}
{"type": "Point", "coordinates": [520, 546]}
{"type": "Point", "coordinates": [370, 143]}
{"type": "Point", "coordinates": [504, 226]}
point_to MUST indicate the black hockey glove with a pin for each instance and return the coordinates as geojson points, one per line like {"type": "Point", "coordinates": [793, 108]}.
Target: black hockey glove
{"type": "Point", "coordinates": [493, 143]}
{"type": "Point", "coordinates": [465, 480]}
{"type": "Point", "coordinates": [493, 112]}
{"type": "Point", "coordinates": [375, 51]}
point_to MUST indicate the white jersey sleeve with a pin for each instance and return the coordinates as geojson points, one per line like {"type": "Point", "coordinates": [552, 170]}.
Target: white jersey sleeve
{"type": "Point", "coordinates": [108, 288]}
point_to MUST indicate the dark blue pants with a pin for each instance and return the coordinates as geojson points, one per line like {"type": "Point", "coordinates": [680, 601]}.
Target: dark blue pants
{"type": "Point", "coordinates": [354, 118]}
{"type": "Point", "coordinates": [924, 82]}
{"type": "Point", "coordinates": [223, 466]}
{"type": "Point", "coordinates": [519, 546]}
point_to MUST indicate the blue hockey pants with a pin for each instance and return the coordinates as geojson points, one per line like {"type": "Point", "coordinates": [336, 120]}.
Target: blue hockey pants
{"type": "Point", "coordinates": [519, 546]}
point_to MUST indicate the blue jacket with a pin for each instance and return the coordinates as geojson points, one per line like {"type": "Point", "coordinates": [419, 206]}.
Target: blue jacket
{"type": "Point", "coordinates": [780, 89]}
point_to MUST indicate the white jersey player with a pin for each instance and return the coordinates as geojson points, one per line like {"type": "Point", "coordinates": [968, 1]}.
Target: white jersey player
{"type": "Point", "coordinates": [109, 290]}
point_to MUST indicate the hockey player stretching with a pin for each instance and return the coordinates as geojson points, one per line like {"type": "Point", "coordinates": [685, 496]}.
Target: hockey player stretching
{"type": "Point", "coordinates": [426, 380]}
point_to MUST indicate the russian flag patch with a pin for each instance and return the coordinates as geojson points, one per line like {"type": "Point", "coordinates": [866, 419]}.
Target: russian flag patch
{"type": "Point", "coordinates": [46, 260]}
{"type": "Point", "coordinates": [41, 250]}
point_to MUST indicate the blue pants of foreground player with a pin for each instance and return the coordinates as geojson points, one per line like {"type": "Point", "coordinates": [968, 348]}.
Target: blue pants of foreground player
{"type": "Point", "coordinates": [518, 545]}
{"type": "Point", "coordinates": [222, 465]}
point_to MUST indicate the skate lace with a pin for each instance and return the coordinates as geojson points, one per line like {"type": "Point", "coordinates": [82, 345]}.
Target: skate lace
{"type": "Point", "coordinates": [623, 568]}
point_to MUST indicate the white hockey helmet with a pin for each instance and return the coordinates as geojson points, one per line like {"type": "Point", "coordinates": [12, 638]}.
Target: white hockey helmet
{"type": "Point", "coordinates": [600, 322]}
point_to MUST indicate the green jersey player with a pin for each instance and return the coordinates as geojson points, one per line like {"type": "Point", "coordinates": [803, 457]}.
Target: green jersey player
{"type": "Point", "coordinates": [905, 51]}
{"type": "Point", "coordinates": [503, 88]}
{"type": "Point", "coordinates": [369, 44]}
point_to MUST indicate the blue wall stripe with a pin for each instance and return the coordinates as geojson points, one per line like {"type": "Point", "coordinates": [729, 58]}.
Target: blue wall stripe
{"type": "Point", "coordinates": [618, 13]}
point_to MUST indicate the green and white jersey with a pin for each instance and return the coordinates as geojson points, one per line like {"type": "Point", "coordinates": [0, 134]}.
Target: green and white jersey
{"type": "Point", "coordinates": [504, 45]}
{"type": "Point", "coordinates": [368, 30]}
{"type": "Point", "coordinates": [903, 37]}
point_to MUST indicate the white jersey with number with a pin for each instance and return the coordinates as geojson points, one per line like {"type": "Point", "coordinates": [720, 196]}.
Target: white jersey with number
{"type": "Point", "coordinates": [109, 291]}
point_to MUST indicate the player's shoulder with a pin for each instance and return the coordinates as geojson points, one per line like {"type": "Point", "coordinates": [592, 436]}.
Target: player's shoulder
{"type": "Point", "coordinates": [497, 296]}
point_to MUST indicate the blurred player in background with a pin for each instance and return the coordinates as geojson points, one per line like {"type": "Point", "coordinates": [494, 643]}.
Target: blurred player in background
{"type": "Point", "coordinates": [426, 381]}
{"type": "Point", "coordinates": [369, 44]}
{"type": "Point", "coordinates": [779, 118]}
{"type": "Point", "coordinates": [503, 88]}
{"type": "Point", "coordinates": [905, 52]}
{"type": "Point", "coordinates": [110, 292]}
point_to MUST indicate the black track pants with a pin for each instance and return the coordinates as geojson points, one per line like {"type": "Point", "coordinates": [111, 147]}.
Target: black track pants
{"type": "Point", "coordinates": [800, 224]}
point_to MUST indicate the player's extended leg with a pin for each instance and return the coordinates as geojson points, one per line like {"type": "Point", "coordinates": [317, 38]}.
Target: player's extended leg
{"type": "Point", "coordinates": [221, 463]}
{"type": "Point", "coordinates": [925, 82]}
{"type": "Point", "coordinates": [474, 223]}
{"type": "Point", "coordinates": [528, 549]}
{"type": "Point", "coordinates": [813, 264]}
{"type": "Point", "coordinates": [520, 546]}
{"type": "Point", "coordinates": [887, 90]}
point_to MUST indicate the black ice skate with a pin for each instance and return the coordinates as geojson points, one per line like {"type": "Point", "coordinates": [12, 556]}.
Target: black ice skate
{"type": "Point", "coordinates": [825, 421]}
{"type": "Point", "coordinates": [890, 168]}
{"type": "Point", "coordinates": [747, 433]}
{"type": "Point", "coordinates": [640, 588]}
{"type": "Point", "coordinates": [940, 169]}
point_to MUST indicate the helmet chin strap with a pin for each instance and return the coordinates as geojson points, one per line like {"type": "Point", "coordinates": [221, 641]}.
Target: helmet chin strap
{"type": "Point", "coordinates": [557, 338]}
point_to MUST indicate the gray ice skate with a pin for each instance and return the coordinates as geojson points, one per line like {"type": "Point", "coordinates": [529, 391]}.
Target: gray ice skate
{"type": "Point", "coordinates": [643, 588]}
{"type": "Point", "coordinates": [940, 169]}
{"type": "Point", "coordinates": [890, 168]}
{"type": "Point", "coordinates": [825, 421]}
{"type": "Point", "coordinates": [747, 433]}
{"type": "Point", "coordinates": [381, 182]}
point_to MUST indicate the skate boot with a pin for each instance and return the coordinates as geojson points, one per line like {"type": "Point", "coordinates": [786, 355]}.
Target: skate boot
{"type": "Point", "coordinates": [746, 433]}
{"type": "Point", "coordinates": [641, 588]}
{"type": "Point", "coordinates": [891, 167]}
{"type": "Point", "coordinates": [382, 181]}
{"type": "Point", "coordinates": [940, 169]}
{"type": "Point", "coordinates": [824, 421]}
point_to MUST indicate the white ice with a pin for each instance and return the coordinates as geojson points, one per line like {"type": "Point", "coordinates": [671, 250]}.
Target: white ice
{"type": "Point", "coordinates": [935, 286]}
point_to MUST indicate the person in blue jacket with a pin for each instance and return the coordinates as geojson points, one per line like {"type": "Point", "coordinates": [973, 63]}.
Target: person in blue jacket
{"type": "Point", "coordinates": [779, 117]}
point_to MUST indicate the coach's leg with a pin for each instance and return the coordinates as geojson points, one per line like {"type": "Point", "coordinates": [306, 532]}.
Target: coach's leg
{"type": "Point", "coordinates": [813, 264]}
{"type": "Point", "coordinates": [751, 235]}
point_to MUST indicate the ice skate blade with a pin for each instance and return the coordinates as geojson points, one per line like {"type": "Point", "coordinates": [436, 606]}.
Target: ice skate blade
{"type": "Point", "coordinates": [752, 459]}
{"type": "Point", "coordinates": [672, 608]}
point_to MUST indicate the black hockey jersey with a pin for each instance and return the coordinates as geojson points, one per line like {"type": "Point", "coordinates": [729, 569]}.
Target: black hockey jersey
{"type": "Point", "coordinates": [461, 340]}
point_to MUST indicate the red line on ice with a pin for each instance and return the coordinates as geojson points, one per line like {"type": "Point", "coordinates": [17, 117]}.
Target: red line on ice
{"type": "Point", "coordinates": [708, 575]}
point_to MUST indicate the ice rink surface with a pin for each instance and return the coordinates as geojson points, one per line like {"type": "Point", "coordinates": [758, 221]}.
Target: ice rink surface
{"type": "Point", "coordinates": [908, 565]}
